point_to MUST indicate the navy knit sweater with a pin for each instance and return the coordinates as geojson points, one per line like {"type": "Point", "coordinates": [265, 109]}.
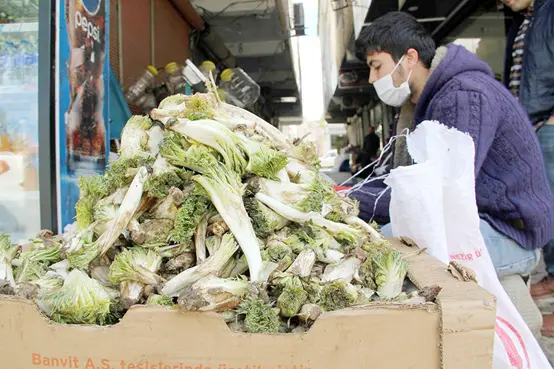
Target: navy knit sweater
{"type": "Point", "coordinates": [512, 189]}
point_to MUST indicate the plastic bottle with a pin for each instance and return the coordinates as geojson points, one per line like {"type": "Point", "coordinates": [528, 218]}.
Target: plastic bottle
{"type": "Point", "coordinates": [208, 66]}
{"type": "Point", "coordinates": [3, 61]}
{"type": "Point", "coordinates": [194, 77]}
{"type": "Point", "coordinates": [137, 92]}
{"type": "Point", "coordinates": [27, 60]}
{"type": "Point", "coordinates": [19, 62]}
{"type": "Point", "coordinates": [10, 76]}
{"type": "Point", "coordinates": [240, 86]}
{"type": "Point", "coordinates": [31, 60]}
{"type": "Point", "coordinates": [174, 78]}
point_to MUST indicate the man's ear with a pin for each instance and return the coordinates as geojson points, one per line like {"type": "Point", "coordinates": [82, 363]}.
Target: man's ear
{"type": "Point", "coordinates": [412, 57]}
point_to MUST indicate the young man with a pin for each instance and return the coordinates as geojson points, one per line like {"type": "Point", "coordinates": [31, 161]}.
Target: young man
{"type": "Point", "coordinates": [452, 86]}
{"type": "Point", "coordinates": [529, 76]}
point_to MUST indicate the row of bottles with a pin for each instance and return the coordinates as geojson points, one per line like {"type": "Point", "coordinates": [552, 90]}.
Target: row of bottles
{"type": "Point", "coordinates": [18, 62]}
{"type": "Point", "coordinates": [241, 90]}
{"type": "Point", "coordinates": [235, 86]}
{"type": "Point", "coordinates": [140, 92]}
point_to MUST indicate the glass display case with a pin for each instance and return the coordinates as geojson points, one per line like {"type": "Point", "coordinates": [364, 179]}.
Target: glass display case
{"type": "Point", "coordinates": [19, 119]}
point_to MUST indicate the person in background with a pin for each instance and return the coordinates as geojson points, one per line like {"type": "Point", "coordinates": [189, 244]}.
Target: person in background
{"type": "Point", "coordinates": [355, 156]}
{"type": "Point", "coordinates": [369, 152]}
{"type": "Point", "coordinates": [529, 74]}
{"type": "Point", "coordinates": [454, 87]}
{"type": "Point", "coordinates": [371, 146]}
{"type": "Point", "coordinates": [342, 163]}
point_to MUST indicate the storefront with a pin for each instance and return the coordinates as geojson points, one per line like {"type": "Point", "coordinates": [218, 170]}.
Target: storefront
{"type": "Point", "coordinates": [483, 33]}
{"type": "Point", "coordinates": [26, 156]}
{"type": "Point", "coordinates": [63, 66]}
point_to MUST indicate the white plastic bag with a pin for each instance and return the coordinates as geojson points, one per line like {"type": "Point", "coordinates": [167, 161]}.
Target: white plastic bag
{"type": "Point", "coordinates": [433, 203]}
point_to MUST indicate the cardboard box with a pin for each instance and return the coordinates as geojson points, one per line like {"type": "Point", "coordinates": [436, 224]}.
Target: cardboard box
{"type": "Point", "coordinates": [455, 333]}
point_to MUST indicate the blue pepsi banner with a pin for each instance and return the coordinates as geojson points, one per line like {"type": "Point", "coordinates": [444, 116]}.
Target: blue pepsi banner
{"type": "Point", "coordinates": [82, 113]}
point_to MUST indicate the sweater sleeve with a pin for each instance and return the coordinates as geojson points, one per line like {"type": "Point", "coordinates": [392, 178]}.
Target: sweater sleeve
{"type": "Point", "coordinates": [469, 112]}
{"type": "Point", "coordinates": [374, 201]}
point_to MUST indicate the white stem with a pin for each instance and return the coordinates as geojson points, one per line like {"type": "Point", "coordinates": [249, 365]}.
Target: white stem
{"type": "Point", "coordinates": [303, 264]}
{"type": "Point", "coordinates": [212, 266]}
{"type": "Point", "coordinates": [6, 273]}
{"type": "Point", "coordinates": [283, 176]}
{"type": "Point", "coordinates": [355, 221]}
{"type": "Point", "coordinates": [200, 239]}
{"type": "Point", "coordinates": [231, 208]}
{"type": "Point", "coordinates": [125, 213]}
{"type": "Point", "coordinates": [284, 210]}
{"type": "Point", "coordinates": [344, 271]}
{"type": "Point", "coordinates": [272, 131]}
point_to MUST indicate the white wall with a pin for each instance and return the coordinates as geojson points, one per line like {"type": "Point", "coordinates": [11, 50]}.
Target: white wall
{"type": "Point", "coordinates": [335, 30]}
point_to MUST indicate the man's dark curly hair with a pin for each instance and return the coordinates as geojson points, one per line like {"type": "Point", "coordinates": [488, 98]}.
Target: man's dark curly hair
{"type": "Point", "coordinates": [395, 33]}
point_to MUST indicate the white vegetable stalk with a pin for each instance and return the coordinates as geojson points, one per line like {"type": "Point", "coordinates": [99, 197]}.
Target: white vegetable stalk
{"type": "Point", "coordinates": [155, 139]}
{"type": "Point", "coordinates": [289, 193]}
{"type": "Point", "coordinates": [200, 240]}
{"type": "Point", "coordinates": [213, 294]}
{"type": "Point", "coordinates": [288, 212]}
{"type": "Point", "coordinates": [77, 241]}
{"type": "Point", "coordinates": [231, 208]}
{"type": "Point", "coordinates": [261, 125]}
{"type": "Point", "coordinates": [329, 256]}
{"type": "Point", "coordinates": [283, 176]}
{"type": "Point", "coordinates": [214, 138]}
{"type": "Point", "coordinates": [295, 168]}
{"type": "Point", "coordinates": [344, 271]}
{"type": "Point", "coordinates": [125, 213]}
{"type": "Point", "coordinates": [268, 268]}
{"type": "Point", "coordinates": [61, 268]}
{"type": "Point", "coordinates": [213, 265]}
{"type": "Point", "coordinates": [303, 264]}
{"type": "Point", "coordinates": [131, 292]}
{"type": "Point", "coordinates": [355, 221]}
{"type": "Point", "coordinates": [296, 216]}
{"type": "Point", "coordinates": [284, 210]}
{"type": "Point", "coordinates": [134, 137]}
{"type": "Point", "coordinates": [233, 123]}
{"type": "Point", "coordinates": [6, 272]}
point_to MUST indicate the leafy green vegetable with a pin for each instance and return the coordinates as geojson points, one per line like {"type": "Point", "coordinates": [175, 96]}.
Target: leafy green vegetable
{"type": "Point", "coordinates": [92, 189]}
{"type": "Point", "coordinates": [164, 177]}
{"type": "Point", "coordinates": [292, 298]}
{"type": "Point", "coordinates": [189, 214]}
{"type": "Point", "coordinates": [259, 317]}
{"type": "Point", "coordinates": [80, 300]}
{"type": "Point", "coordinates": [389, 270]}
{"type": "Point", "coordinates": [8, 251]}
{"type": "Point", "coordinates": [338, 295]}
{"type": "Point", "coordinates": [264, 220]}
{"type": "Point", "coordinates": [160, 300]}
{"type": "Point", "coordinates": [34, 263]}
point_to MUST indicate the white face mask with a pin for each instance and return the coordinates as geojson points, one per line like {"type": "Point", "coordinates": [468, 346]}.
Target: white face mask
{"type": "Point", "coordinates": [388, 93]}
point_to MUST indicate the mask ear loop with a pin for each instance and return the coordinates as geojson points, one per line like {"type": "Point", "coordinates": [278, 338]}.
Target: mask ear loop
{"type": "Point", "coordinates": [396, 67]}
{"type": "Point", "coordinates": [397, 64]}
